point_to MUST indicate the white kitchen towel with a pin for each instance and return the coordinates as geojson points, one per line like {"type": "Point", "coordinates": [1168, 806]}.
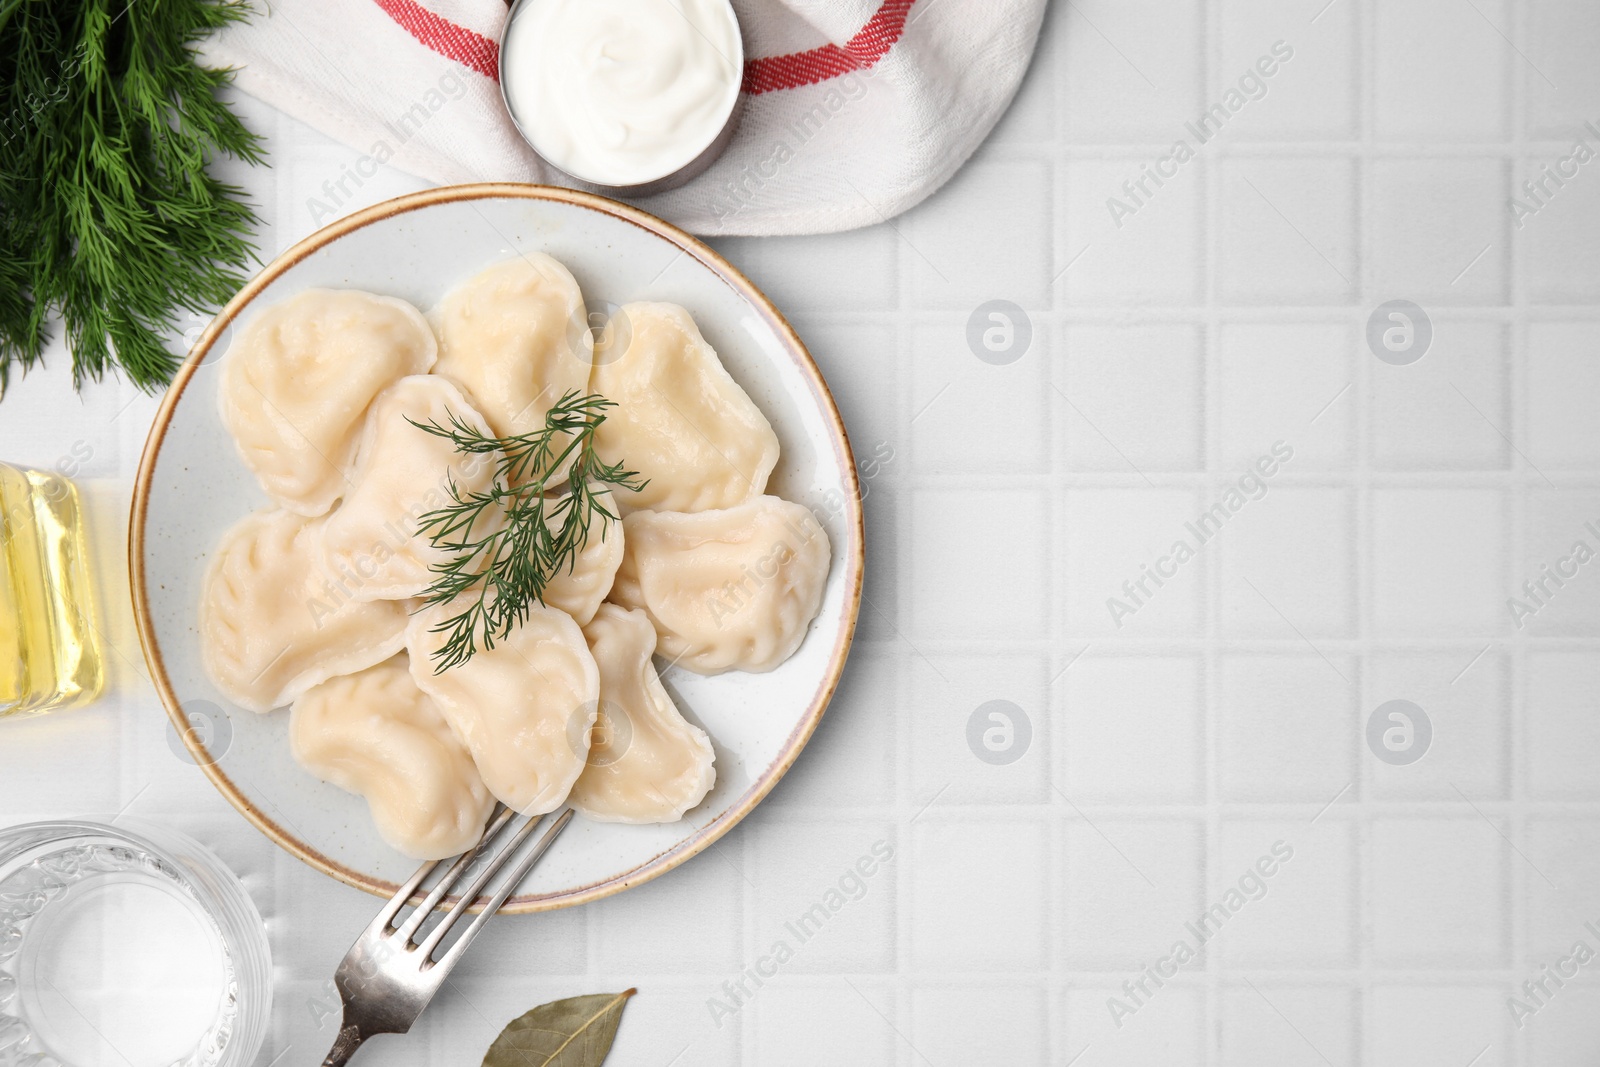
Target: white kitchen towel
{"type": "Point", "coordinates": [854, 109]}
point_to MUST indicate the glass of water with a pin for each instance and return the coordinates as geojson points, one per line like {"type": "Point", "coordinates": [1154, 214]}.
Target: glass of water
{"type": "Point", "coordinates": [126, 946]}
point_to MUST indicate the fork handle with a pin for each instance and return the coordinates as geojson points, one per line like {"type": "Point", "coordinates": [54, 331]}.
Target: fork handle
{"type": "Point", "coordinates": [344, 1046]}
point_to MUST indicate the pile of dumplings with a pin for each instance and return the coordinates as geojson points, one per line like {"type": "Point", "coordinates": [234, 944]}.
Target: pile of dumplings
{"type": "Point", "coordinates": [313, 602]}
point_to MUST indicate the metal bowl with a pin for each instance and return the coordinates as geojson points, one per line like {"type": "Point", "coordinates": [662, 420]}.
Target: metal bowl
{"type": "Point", "coordinates": [693, 169]}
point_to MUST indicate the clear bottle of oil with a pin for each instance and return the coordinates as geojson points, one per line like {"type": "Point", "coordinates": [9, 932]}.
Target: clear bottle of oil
{"type": "Point", "coordinates": [50, 655]}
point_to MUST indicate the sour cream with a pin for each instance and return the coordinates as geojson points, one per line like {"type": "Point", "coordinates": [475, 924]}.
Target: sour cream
{"type": "Point", "coordinates": [622, 92]}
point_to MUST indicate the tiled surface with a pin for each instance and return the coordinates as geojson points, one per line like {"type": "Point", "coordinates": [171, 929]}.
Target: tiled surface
{"type": "Point", "coordinates": [1183, 734]}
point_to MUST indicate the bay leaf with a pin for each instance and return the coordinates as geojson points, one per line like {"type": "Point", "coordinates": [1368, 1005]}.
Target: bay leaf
{"type": "Point", "coordinates": [575, 1032]}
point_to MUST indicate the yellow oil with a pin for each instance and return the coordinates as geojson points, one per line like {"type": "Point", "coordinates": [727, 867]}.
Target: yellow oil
{"type": "Point", "coordinates": [49, 646]}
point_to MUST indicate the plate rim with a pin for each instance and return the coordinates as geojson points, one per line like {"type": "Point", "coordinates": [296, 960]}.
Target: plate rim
{"type": "Point", "coordinates": [730, 275]}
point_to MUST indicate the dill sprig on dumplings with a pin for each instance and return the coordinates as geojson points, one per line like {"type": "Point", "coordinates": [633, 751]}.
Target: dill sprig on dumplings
{"type": "Point", "coordinates": [548, 486]}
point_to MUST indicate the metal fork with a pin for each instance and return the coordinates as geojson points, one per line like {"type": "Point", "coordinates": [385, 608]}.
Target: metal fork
{"type": "Point", "coordinates": [388, 976]}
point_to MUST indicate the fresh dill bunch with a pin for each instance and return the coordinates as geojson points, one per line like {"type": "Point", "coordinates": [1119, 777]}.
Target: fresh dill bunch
{"type": "Point", "coordinates": [547, 485]}
{"type": "Point", "coordinates": [108, 216]}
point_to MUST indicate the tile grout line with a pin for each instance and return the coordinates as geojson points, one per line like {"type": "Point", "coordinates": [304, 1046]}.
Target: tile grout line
{"type": "Point", "coordinates": [1208, 174]}
{"type": "Point", "coordinates": [1057, 712]}
{"type": "Point", "coordinates": [1359, 845]}
{"type": "Point", "coordinates": [905, 889]}
{"type": "Point", "coordinates": [1054, 344]}
{"type": "Point", "coordinates": [1145, 312]}
{"type": "Point", "coordinates": [1516, 337]}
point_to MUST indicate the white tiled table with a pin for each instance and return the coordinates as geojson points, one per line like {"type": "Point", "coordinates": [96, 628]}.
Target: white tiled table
{"type": "Point", "coordinates": [1229, 711]}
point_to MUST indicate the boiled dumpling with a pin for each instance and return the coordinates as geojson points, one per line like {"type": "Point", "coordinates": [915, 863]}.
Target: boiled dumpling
{"type": "Point", "coordinates": [647, 763]}
{"type": "Point", "coordinates": [379, 736]}
{"type": "Point", "coordinates": [516, 338]}
{"type": "Point", "coordinates": [523, 708]}
{"type": "Point", "coordinates": [273, 623]}
{"type": "Point", "coordinates": [728, 589]}
{"type": "Point", "coordinates": [297, 383]}
{"type": "Point", "coordinates": [579, 589]}
{"type": "Point", "coordinates": [401, 473]}
{"type": "Point", "coordinates": [680, 420]}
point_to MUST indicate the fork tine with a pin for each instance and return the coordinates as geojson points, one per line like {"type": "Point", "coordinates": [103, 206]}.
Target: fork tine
{"type": "Point", "coordinates": [387, 913]}
{"type": "Point", "coordinates": [470, 894]}
{"type": "Point", "coordinates": [415, 920]}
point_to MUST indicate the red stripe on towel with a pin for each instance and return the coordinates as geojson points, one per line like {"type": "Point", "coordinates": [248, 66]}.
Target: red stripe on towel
{"type": "Point", "coordinates": [472, 50]}
{"type": "Point", "coordinates": [796, 69]}
{"type": "Point", "coordinates": [766, 75]}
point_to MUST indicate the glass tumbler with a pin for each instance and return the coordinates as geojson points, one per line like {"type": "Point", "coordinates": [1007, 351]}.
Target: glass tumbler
{"type": "Point", "coordinates": [128, 945]}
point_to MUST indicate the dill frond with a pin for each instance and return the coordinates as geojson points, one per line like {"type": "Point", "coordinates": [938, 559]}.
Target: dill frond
{"type": "Point", "coordinates": [109, 217]}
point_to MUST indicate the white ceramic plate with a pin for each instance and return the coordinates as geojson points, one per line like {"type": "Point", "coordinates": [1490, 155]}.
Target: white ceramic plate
{"type": "Point", "coordinates": [192, 486]}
